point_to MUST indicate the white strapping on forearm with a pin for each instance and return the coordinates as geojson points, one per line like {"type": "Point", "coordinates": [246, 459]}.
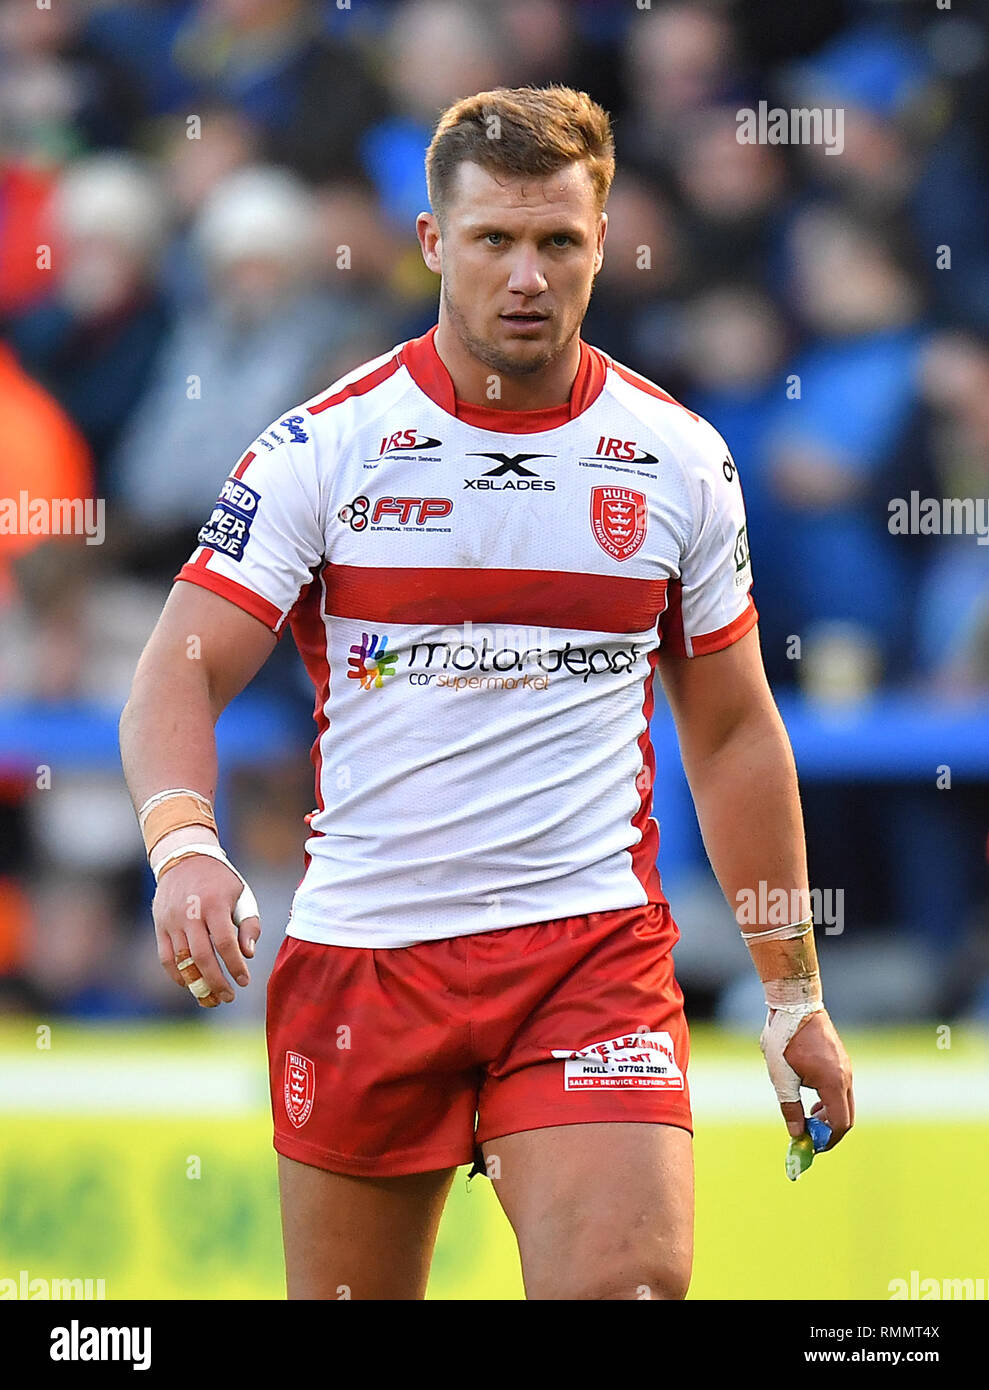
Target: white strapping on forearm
{"type": "Point", "coordinates": [776, 1036]}
{"type": "Point", "coordinates": [787, 933]}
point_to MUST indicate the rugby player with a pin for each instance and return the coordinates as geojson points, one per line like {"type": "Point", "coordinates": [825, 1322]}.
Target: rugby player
{"type": "Point", "coordinates": [486, 541]}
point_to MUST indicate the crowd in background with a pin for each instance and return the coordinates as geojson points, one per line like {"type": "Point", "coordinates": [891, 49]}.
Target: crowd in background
{"type": "Point", "coordinates": [227, 190]}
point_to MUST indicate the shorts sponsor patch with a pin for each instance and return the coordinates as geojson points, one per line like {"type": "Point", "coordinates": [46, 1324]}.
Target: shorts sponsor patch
{"type": "Point", "coordinates": [229, 525]}
{"type": "Point", "coordinates": [300, 1087]}
{"type": "Point", "coordinates": [634, 1061]}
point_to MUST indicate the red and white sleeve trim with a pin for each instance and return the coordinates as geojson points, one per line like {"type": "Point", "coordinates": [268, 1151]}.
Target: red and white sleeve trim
{"type": "Point", "coordinates": [676, 641]}
{"type": "Point", "coordinates": [196, 572]}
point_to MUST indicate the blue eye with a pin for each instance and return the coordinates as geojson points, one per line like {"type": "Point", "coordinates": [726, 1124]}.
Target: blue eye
{"type": "Point", "coordinates": [562, 236]}
{"type": "Point", "coordinates": [489, 235]}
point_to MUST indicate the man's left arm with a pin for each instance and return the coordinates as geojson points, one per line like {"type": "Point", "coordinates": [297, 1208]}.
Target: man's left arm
{"type": "Point", "coordinates": [741, 772]}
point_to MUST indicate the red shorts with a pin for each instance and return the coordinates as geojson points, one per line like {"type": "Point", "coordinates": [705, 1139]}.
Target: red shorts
{"type": "Point", "coordinates": [380, 1060]}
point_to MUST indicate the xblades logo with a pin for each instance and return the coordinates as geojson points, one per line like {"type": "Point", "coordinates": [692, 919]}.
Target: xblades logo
{"type": "Point", "coordinates": [528, 480]}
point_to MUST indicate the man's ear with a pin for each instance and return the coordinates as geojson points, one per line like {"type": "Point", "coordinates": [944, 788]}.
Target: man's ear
{"type": "Point", "coordinates": [602, 233]}
{"type": "Point", "coordinates": [430, 239]}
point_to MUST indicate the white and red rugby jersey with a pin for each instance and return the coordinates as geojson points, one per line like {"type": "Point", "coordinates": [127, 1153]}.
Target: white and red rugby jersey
{"type": "Point", "coordinates": [479, 597]}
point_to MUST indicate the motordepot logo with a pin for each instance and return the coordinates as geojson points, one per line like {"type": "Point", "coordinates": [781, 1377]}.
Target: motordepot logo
{"type": "Point", "coordinates": [940, 516]}
{"type": "Point", "coordinates": [25, 515]}
{"type": "Point", "coordinates": [460, 665]}
{"type": "Point", "coordinates": [25, 1287]}
{"type": "Point", "coordinates": [946, 1289]}
{"type": "Point", "coordinates": [800, 125]}
{"type": "Point", "coordinates": [370, 661]}
{"type": "Point", "coordinates": [77, 1342]}
{"type": "Point", "coordinates": [470, 658]}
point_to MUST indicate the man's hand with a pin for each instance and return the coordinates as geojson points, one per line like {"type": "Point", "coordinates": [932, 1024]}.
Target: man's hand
{"type": "Point", "coordinates": [818, 1057]}
{"type": "Point", "coordinates": [193, 912]}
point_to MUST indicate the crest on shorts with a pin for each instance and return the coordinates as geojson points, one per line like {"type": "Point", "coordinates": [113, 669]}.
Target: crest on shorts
{"type": "Point", "coordinates": [300, 1087]}
{"type": "Point", "coordinates": [619, 518]}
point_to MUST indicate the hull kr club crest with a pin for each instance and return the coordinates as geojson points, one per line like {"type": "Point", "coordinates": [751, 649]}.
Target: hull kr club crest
{"type": "Point", "coordinates": [300, 1087]}
{"type": "Point", "coordinates": [618, 520]}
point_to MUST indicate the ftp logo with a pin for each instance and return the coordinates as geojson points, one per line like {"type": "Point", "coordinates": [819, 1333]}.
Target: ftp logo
{"type": "Point", "coordinates": [359, 514]}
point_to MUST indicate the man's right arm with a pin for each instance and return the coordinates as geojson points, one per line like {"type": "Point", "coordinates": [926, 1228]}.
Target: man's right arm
{"type": "Point", "coordinates": [203, 652]}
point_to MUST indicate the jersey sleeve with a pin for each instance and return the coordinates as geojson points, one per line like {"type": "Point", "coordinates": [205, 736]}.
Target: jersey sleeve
{"type": "Point", "coordinates": [709, 606]}
{"type": "Point", "coordinates": [263, 540]}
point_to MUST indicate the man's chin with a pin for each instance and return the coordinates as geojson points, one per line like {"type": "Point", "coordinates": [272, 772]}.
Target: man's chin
{"type": "Point", "coordinates": [521, 358]}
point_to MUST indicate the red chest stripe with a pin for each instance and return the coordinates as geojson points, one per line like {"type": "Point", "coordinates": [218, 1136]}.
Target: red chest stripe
{"type": "Point", "coordinates": [442, 597]}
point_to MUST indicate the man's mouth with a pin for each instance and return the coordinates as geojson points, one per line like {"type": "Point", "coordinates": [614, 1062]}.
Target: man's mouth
{"type": "Point", "coordinates": [524, 317]}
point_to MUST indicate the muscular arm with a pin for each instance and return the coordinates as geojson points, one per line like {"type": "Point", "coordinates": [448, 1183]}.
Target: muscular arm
{"type": "Point", "coordinates": [201, 654]}
{"type": "Point", "coordinates": [740, 768]}
{"type": "Point", "coordinates": [738, 762]}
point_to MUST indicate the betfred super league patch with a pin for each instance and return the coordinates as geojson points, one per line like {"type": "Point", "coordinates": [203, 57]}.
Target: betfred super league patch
{"type": "Point", "coordinates": [229, 525]}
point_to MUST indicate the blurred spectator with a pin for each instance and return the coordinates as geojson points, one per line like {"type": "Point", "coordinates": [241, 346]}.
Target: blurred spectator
{"type": "Point", "coordinates": [679, 59]}
{"type": "Point", "coordinates": [954, 596]}
{"type": "Point", "coordinates": [734, 343]}
{"type": "Point", "coordinates": [909, 145]}
{"type": "Point", "coordinates": [733, 196]}
{"type": "Point", "coordinates": [634, 309]}
{"type": "Point", "coordinates": [437, 51]}
{"type": "Point", "coordinates": [92, 340]}
{"type": "Point", "coordinates": [309, 94]}
{"type": "Point", "coordinates": [43, 452]}
{"type": "Point", "coordinates": [833, 446]}
{"type": "Point", "coordinates": [268, 337]}
{"type": "Point", "coordinates": [58, 93]}
{"type": "Point", "coordinates": [225, 140]}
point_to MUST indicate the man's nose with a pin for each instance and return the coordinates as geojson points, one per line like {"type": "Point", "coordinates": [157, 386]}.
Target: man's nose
{"type": "Point", "coordinates": [526, 276]}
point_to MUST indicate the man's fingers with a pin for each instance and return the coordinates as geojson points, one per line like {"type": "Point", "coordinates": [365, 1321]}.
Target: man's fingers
{"type": "Point", "coordinates": [209, 967]}
{"type": "Point", "coordinates": [793, 1114]}
{"type": "Point", "coordinates": [250, 930]}
{"type": "Point", "coordinates": [835, 1111]}
{"type": "Point", "coordinates": [167, 951]}
{"type": "Point", "coordinates": [223, 934]}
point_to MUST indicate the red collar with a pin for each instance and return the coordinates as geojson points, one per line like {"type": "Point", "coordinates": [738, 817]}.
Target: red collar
{"type": "Point", "coordinates": [429, 372]}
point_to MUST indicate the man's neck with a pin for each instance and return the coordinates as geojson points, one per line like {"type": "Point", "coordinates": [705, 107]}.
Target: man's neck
{"type": "Point", "coordinates": [472, 378]}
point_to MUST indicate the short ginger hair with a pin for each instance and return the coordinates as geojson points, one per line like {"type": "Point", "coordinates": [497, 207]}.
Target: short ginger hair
{"type": "Point", "coordinates": [521, 130]}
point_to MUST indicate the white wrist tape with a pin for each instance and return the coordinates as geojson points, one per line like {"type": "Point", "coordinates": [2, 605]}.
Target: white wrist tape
{"type": "Point", "coordinates": [790, 1000]}
{"type": "Point", "coordinates": [780, 1027]}
{"type": "Point", "coordinates": [245, 906]}
{"type": "Point", "coordinates": [787, 933]}
{"type": "Point", "coordinates": [166, 795]}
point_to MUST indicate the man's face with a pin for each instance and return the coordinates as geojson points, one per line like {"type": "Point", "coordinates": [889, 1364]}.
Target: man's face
{"type": "Point", "coordinates": [518, 255]}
